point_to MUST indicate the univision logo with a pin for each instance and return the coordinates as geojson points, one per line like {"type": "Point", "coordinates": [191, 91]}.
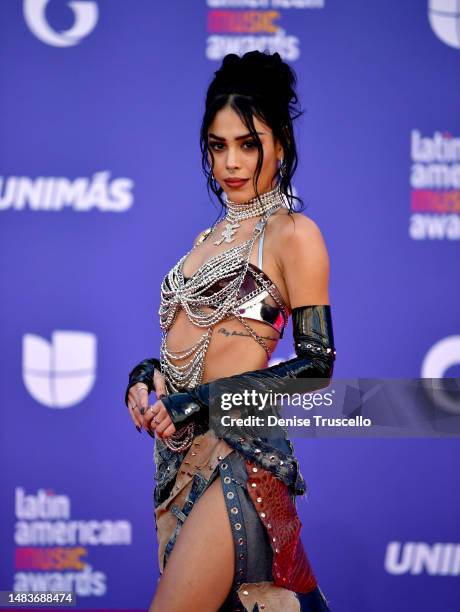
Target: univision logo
{"type": "Point", "coordinates": [439, 559]}
{"type": "Point", "coordinates": [60, 373]}
{"type": "Point", "coordinates": [444, 18]}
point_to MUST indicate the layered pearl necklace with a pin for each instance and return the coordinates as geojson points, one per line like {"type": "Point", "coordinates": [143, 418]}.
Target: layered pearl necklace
{"type": "Point", "coordinates": [238, 211]}
{"type": "Point", "coordinates": [176, 294]}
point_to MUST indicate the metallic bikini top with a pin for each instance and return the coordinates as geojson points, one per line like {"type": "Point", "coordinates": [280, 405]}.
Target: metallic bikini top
{"type": "Point", "coordinates": [231, 287]}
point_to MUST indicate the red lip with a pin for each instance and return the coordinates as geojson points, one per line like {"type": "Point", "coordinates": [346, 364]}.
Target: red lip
{"type": "Point", "coordinates": [235, 182]}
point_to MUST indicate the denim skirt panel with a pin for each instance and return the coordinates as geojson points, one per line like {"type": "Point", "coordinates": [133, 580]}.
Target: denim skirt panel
{"type": "Point", "coordinates": [253, 589]}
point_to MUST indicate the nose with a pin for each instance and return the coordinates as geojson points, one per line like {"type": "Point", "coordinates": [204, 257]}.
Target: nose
{"type": "Point", "coordinates": [232, 162]}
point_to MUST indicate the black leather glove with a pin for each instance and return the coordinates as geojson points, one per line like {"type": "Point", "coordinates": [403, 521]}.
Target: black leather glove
{"type": "Point", "coordinates": [314, 347]}
{"type": "Point", "coordinates": [143, 372]}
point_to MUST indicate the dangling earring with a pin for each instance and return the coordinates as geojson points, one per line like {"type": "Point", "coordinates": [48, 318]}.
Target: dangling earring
{"type": "Point", "coordinates": [281, 169]}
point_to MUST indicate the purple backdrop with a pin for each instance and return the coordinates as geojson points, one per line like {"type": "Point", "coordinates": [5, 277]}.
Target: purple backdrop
{"type": "Point", "coordinates": [101, 191]}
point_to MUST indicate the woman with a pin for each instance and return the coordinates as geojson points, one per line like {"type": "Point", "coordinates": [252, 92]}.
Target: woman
{"type": "Point", "coordinates": [227, 527]}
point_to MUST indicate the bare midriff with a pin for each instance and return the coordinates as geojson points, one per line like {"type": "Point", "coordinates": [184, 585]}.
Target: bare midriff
{"type": "Point", "coordinates": [229, 352]}
{"type": "Point", "coordinates": [232, 349]}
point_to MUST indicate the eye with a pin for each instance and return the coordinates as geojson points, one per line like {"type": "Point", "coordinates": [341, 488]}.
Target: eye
{"type": "Point", "coordinates": [251, 144]}
{"type": "Point", "coordinates": [213, 145]}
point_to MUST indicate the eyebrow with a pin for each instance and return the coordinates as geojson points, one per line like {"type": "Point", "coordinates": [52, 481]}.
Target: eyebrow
{"type": "Point", "coordinates": [211, 135]}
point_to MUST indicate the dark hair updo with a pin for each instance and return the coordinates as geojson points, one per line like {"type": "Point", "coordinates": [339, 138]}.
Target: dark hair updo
{"type": "Point", "coordinates": [262, 85]}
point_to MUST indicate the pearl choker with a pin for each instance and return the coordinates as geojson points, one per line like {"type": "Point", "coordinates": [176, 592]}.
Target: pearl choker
{"type": "Point", "coordinates": [269, 201]}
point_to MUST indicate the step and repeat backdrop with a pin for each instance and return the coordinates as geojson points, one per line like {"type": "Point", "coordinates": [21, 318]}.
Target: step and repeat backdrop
{"type": "Point", "coordinates": [101, 191]}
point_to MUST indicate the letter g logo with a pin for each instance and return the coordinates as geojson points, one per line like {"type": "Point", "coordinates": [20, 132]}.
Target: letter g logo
{"type": "Point", "coordinates": [86, 15]}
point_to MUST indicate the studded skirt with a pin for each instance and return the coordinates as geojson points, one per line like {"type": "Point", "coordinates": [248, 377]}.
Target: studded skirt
{"type": "Point", "coordinates": [258, 581]}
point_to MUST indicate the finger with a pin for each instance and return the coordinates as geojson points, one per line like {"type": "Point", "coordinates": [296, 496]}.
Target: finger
{"type": "Point", "coordinates": [159, 383]}
{"type": "Point", "coordinates": [133, 403]}
{"type": "Point", "coordinates": [142, 397]}
{"type": "Point", "coordinates": [169, 431]}
{"type": "Point", "coordinates": [151, 414]}
{"type": "Point", "coordinates": [135, 416]}
{"type": "Point", "coordinates": [163, 424]}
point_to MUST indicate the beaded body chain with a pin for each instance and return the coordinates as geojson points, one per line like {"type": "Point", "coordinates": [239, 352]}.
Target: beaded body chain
{"type": "Point", "coordinates": [176, 294]}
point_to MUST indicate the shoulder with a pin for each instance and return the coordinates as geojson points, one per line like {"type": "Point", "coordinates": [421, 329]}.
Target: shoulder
{"type": "Point", "coordinates": [202, 236]}
{"type": "Point", "coordinates": [297, 236]}
{"type": "Point", "coordinates": [303, 259]}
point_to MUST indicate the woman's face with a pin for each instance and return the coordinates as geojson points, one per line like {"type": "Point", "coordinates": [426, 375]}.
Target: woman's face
{"type": "Point", "coordinates": [235, 155]}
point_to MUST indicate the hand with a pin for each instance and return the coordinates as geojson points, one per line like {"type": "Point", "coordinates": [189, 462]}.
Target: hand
{"type": "Point", "coordinates": [138, 398]}
{"type": "Point", "coordinates": [158, 420]}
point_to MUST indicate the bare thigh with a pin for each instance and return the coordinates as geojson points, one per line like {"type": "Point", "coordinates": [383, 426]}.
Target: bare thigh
{"type": "Point", "coordinates": [200, 569]}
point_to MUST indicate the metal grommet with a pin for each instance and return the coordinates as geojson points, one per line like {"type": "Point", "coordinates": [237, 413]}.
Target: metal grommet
{"type": "Point", "coordinates": [234, 510]}
{"type": "Point", "coordinates": [237, 526]}
{"type": "Point", "coordinates": [254, 469]}
{"type": "Point", "coordinates": [224, 466]}
{"type": "Point", "coordinates": [230, 495]}
{"type": "Point", "coordinates": [227, 480]}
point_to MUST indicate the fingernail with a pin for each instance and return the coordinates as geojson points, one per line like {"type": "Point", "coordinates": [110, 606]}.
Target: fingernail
{"type": "Point", "coordinates": [152, 435]}
{"type": "Point", "coordinates": [139, 429]}
{"type": "Point", "coordinates": [161, 395]}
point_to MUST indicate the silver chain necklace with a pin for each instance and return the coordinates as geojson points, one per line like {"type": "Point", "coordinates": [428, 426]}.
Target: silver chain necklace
{"type": "Point", "coordinates": [176, 294]}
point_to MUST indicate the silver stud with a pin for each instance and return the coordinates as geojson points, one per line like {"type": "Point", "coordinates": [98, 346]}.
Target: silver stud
{"type": "Point", "coordinates": [193, 453]}
{"type": "Point", "coordinates": [237, 526]}
{"type": "Point", "coordinates": [220, 457]}
{"type": "Point", "coordinates": [234, 510]}
{"type": "Point", "coordinates": [257, 451]}
{"type": "Point", "coordinates": [230, 495]}
{"type": "Point", "coordinates": [227, 479]}
{"type": "Point", "coordinates": [224, 466]}
{"type": "Point", "coordinates": [269, 525]}
{"type": "Point", "coordinates": [274, 539]}
{"type": "Point", "coordinates": [259, 499]}
{"type": "Point", "coordinates": [253, 485]}
{"type": "Point", "coordinates": [241, 541]}
{"type": "Point", "coordinates": [281, 462]}
{"type": "Point", "coordinates": [245, 593]}
{"type": "Point", "coordinates": [254, 469]}
{"type": "Point", "coordinates": [263, 515]}
{"type": "Point", "coordinates": [272, 457]}
{"type": "Point", "coordinates": [241, 555]}
{"type": "Point", "coordinates": [277, 550]}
